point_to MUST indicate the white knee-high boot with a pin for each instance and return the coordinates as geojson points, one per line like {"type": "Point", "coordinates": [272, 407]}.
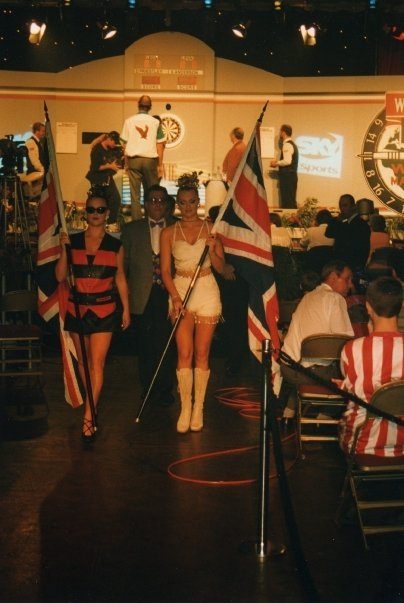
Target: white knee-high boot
{"type": "Point", "coordinates": [185, 380]}
{"type": "Point", "coordinates": [201, 378]}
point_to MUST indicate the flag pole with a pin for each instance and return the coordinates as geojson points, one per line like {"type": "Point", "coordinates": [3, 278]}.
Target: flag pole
{"type": "Point", "coordinates": [59, 200]}
{"type": "Point", "coordinates": [198, 268]}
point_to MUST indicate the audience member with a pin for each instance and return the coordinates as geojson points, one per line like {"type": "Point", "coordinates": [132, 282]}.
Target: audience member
{"type": "Point", "coordinates": [379, 237]}
{"type": "Point", "coordinates": [185, 242]}
{"type": "Point", "coordinates": [319, 247]}
{"type": "Point", "coordinates": [309, 280]}
{"type": "Point", "coordinates": [368, 363]}
{"type": "Point", "coordinates": [320, 311]}
{"type": "Point", "coordinates": [351, 234]}
{"type": "Point", "coordinates": [234, 155]}
{"type": "Point", "coordinates": [144, 148]}
{"type": "Point", "coordinates": [148, 298]}
{"type": "Point", "coordinates": [280, 236]}
{"type": "Point", "coordinates": [286, 271]}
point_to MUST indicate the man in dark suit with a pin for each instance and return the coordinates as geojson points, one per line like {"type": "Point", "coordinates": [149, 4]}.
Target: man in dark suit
{"type": "Point", "coordinates": [351, 235]}
{"type": "Point", "coordinates": [148, 299]}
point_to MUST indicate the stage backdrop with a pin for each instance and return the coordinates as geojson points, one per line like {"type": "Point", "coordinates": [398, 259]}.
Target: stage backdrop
{"type": "Point", "coordinates": [201, 98]}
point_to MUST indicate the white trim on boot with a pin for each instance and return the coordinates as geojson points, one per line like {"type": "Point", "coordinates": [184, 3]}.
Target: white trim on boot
{"type": "Point", "coordinates": [201, 378]}
{"type": "Point", "coordinates": [185, 380]}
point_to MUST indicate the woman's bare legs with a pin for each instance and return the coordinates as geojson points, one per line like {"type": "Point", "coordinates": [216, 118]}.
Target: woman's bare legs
{"type": "Point", "coordinates": [97, 346]}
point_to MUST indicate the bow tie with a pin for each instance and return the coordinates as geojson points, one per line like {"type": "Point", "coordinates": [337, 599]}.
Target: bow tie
{"type": "Point", "coordinates": [159, 224]}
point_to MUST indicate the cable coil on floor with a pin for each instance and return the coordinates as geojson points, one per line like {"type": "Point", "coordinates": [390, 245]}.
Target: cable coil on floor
{"type": "Point", "coordinates": [248, 403]}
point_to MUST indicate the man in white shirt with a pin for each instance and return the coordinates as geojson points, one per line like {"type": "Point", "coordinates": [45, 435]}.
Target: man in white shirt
{"type": "Point", "coordinates": [36, 156]}
{"type": "Point", "coordinates": [323, 310]}
{"type": "Point", "coordinates": [144, 147]}
{"type": "Point", "coordinates": [287, 165]}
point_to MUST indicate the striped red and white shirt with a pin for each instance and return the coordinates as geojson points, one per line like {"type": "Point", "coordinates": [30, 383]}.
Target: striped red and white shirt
{"type": "Point", "coordinates": [368, 363]}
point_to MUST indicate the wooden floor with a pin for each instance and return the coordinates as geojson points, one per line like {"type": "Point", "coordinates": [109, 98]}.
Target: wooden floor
{"type": "Point", "coordinates": [112, 525]}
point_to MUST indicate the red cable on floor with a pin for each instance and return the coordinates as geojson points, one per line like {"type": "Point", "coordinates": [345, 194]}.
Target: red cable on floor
{"type": "Point", "coordinates": [242, 398]}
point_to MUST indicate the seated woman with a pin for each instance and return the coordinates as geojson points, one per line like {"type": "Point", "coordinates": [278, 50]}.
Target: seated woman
{"type": "Point", "coordinates": [185, 242]}
{"type": "Point", "coordinates": [379, 237]}
{"type": "Point", "coordinates": [319, 247]}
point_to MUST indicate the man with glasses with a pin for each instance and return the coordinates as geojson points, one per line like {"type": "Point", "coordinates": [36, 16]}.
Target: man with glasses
{"type": "Point", "coordinates": [148, 299]}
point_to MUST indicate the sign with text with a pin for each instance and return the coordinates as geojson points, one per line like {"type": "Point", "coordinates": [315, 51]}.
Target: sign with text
{"type": "Point", "coordinates": [169, 72]}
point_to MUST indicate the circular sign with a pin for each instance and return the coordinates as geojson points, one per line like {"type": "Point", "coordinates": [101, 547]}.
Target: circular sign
{"type": "Point", "coordinates": [173, 128]}
{"type": "Point", "coordinates": [383, 161]}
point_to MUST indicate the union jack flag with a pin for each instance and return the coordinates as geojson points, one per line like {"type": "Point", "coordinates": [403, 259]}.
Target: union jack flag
{"type": "Point", "coordinates": [52, 296]}
{"type": "Point", "coordinates": [244, 227]}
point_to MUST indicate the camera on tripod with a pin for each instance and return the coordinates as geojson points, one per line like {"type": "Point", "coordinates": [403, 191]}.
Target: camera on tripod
{"type": "Point", "coordinates": [117, 154]}
{"type": "Point", "coordinates": [12, 154]}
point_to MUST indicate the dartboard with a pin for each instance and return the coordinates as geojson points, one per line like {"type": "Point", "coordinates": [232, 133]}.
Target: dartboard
{"type": "Point", "coordinates": [173, 128]}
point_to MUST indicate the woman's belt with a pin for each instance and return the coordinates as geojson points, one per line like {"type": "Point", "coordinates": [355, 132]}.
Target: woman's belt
{"type": "Point", "coordinates": [190, 273]}
{"type": "Point", "coordinates": [94, 299]}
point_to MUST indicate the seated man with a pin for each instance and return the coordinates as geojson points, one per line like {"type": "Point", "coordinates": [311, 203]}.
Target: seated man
{"type": "Point", "coordinates": [368, 363]}
{"type": "Point", "coordinates": [320, 311]}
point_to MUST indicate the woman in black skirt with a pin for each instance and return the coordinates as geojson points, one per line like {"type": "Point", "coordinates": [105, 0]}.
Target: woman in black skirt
{"type": "Point", "coordinates": [101, 292]}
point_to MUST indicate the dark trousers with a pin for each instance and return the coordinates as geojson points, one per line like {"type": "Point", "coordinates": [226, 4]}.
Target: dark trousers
{"type": "Point", "coordinates": [152, 330]}
{"type": "Point", "coordinates": [233, 331]}
{"type": "Point", "coordinates": [287, 189]}
{"type": "Point", "coordinates": [114, 201]}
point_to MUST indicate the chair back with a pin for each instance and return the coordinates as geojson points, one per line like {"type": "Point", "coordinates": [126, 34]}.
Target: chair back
{"type": "Point", "coordinates": [19, 301]}
{"type": "Point", "coordinates": [324, 346]}
{"type": "Point", "coordinates": [390, 398]}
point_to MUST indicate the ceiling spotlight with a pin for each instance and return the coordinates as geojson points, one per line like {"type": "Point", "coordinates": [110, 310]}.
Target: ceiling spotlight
{"type": "Point", "coordinates": [107, 31]}
{"type": "Point", "coordinates": [277, 4]}
{"type": "Point", "coordinates": [309, 35]}
{"type": "Point", "coordinates": [36, 31]}
{"type": "Point", "coordinates": [240, 29]}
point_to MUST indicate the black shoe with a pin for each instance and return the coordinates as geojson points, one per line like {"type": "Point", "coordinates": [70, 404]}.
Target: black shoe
{"type": "Point", "coordinates": [89, 433]}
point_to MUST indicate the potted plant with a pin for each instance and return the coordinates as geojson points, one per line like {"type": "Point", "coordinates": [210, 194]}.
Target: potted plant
{"type": "Point", "coordinates": [396, 228]}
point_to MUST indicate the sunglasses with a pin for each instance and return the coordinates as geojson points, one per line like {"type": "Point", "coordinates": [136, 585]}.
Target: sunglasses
{"type": "Point", "coordinates": [157, 201]}
{"type": "Point", "coordinates": [100, 210]}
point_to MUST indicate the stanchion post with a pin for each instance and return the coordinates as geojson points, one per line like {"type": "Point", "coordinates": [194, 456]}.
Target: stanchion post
{"type": "Point", "coordinates": [262, 524]}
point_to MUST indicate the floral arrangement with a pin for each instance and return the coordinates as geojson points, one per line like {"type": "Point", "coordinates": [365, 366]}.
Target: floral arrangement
{"type": "Point", "coordinates": [304, 215]}
{"type": "Point", "coordinates": [395, 223]}
{"type": "Point", "coordinates": [395, 227]}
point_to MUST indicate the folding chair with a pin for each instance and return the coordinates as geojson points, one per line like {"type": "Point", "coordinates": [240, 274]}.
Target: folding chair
{"type": "Point", "coordinates": [377, 483]}
{"type": "Point", "coordinates": [312, 398]}
{"type": "Point", "coordinates": [20, 349]}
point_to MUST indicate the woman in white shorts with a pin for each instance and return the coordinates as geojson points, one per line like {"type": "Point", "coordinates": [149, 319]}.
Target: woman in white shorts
{"type": "Point", "coordinates": [184, 242]}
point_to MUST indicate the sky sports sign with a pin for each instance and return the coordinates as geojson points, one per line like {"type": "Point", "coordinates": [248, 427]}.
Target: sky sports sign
{"type": "Point", "coordinates": [321, 155]}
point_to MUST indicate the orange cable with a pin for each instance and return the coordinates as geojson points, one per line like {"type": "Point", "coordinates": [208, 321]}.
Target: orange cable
{"type": "Point", "coordinates": [230, 397]}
